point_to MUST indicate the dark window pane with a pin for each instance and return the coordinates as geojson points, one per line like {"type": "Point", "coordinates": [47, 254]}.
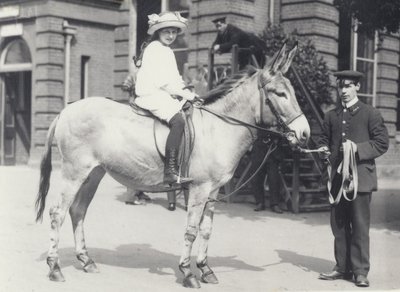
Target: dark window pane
{"type": "Point", "coordinates": [365, 47]}
{"type": "Point", "coordinates": [178, 5]}
{"type": "Point", "coordinates": [180, 42]}
{"type": "Point", "coordinates": [365, 99]}
{"type": "Point", "coordinates": [367, 82]}
{"type": "Point", "coordinates": [18, 52]}
{"type": "Point", "coordinates": [181, 59]}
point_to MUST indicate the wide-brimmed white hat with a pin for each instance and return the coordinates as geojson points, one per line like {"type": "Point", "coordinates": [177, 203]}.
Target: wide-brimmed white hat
{"type": "Point", "coordinates": [166, 19]}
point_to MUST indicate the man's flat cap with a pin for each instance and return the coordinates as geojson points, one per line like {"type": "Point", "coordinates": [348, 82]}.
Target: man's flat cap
{"type": "Point", "coordinates": [348, 74]}
{"type": "Point", "coordinates": [219, 19]}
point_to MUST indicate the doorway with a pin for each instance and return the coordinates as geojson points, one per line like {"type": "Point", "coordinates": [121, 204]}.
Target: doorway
{"type": "Point", "coordinates": [16, 117]}
{"type": "Point", "coordinates": [15, 102]}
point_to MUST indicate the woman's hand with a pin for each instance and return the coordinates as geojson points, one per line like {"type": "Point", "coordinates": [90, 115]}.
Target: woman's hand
{"type": "Point", "coordinates": [198, 102]}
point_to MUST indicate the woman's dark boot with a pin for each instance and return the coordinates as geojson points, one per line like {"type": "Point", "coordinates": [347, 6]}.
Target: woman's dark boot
{"type": "Point", "coordinates": [171, 175]}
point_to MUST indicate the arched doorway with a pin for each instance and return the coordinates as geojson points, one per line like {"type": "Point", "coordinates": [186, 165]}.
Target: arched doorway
{"type": "Point", "coordinates": [15, 102]}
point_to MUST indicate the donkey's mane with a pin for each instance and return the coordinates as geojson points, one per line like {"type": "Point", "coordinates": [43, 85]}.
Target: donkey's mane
{"type": "Point", "coordinates": [229, 84]}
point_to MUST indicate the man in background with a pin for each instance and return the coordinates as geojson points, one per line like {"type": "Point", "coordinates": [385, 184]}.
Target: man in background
{"type": "Point", "coordinates": [248, 43]}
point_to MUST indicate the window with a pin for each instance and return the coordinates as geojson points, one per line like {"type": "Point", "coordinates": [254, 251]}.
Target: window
{"type": "Point", "coordinates": [84, 76]}
{"type": "Point", "coordinates": [15, 57]}
{"type": "Point", "coordinates": [365, 61]}
{"type": "Point", "coordinates": [180, 46]}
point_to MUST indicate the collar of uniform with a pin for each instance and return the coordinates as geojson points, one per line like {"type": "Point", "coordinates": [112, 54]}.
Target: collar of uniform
{"type": "Point", "coordinates": [355, 107]}
{"type": "Point", "coordinates": [351, 102]}
{"type": "Point", "coordinates": [352, 109]}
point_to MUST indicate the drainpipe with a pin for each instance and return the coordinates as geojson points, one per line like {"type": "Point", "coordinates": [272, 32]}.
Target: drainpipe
{"type": "Point", "coordinates": [271, 11]}
{"type": "Point", "coordinates": [69, 32]}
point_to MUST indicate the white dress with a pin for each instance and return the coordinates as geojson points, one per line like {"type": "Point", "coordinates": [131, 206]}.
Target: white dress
{"type": "Point", "coordinates": [158, 78]}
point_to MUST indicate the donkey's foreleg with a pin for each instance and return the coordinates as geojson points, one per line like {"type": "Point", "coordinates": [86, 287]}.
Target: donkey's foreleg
{"type": "Point", "coordinates": [57, 216]}
{"type": "Point", "coordinates": [78, 211]}
{"type": "Point", "coordinates": [197, 202]}
{"type": "Point", "coordinates": [207, 275]}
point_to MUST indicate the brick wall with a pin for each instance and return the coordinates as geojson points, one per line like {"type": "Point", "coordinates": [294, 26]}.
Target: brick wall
{"type": "Point", "coordinates": [48, 79]}
{"type": "Point", "coordinates": [96, 25]}
{"type": "Point", "coordinates": [387, 94]}
{"type": "Point", "coordinates": [248, 15]}
{"type": "Point", "coordinates": [387, 81]}
{"type": "Point", "coordinates": [317, 20]}
{"type": "Point", "coordinates": [122, 58]}
{"type": "Point", "coordinates": [97, 43]}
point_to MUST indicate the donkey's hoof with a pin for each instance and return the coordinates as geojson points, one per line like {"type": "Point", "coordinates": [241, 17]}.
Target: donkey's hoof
{"type": "Point", "coordinates": [209, 277]}
{"type": "Point", "coordinates": [56, 276]}
{"type": "Point", "coordinates": [191, 282]}
{"type": "Point", "coordinates": [91, 268]}
{"type": "Point", "coordinates": [88, 264]}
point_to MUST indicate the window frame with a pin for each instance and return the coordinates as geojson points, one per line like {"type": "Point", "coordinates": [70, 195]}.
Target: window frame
{"type": "Point", "coordinates": [14, 67]}
{"type": "Point", "coordinates": [166, 7]}
{"type": "Point", "coordinates": [374, 62]}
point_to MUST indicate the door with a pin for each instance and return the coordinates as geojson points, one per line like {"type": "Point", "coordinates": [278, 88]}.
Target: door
{"type": "Point", "coordinates": [15, 101]}
{"type": "Point", "coordinates": [17, 117]}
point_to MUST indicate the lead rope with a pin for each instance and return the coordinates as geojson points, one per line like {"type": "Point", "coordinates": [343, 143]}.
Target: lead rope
{"type": "Point", "coordinates": [349, 180]}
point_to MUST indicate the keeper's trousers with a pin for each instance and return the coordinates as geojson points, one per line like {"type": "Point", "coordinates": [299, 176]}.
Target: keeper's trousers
{"type": "Point", "coordinates": [350, 222]}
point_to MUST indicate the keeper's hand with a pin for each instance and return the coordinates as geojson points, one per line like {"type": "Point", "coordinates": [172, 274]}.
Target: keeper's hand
{"type": "Point", "coordinates": [324, 152]}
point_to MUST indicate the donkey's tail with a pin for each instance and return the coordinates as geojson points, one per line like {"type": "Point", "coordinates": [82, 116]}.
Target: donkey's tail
{"type": "Point", "coordinates": [45, 172]}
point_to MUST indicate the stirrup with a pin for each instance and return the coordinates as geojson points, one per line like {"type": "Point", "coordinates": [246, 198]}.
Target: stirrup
{"type": "Point", "coordinates": [173, 179]}
{"type": "Point", "coordinates": [184, 180]}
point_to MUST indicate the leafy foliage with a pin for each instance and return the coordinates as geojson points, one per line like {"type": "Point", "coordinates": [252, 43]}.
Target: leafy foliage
{"type": "Point", "coordinates": [312, 68]}
{"type": "Point", "coordinates": [372, 15]}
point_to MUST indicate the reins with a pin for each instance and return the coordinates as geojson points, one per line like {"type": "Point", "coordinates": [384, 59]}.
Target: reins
{"type": "Point", "coordinates": [234, 121]}
{"type": "Point", "coordinates": [348, 169]}
{"type": "Point", "coordinates": [271, 149]}
{"type": "Point", "coordinates": [287, 132]}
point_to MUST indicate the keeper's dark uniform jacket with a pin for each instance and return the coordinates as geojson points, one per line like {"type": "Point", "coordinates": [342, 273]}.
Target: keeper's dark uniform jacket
{"type": "Point", "coordinates": [234, 35]}
{"type": "Point", "coordinates": [362, 124]}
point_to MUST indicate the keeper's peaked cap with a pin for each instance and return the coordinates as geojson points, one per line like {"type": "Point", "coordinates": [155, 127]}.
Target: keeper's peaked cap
{"type": "Point", "coordinates": [348, 74]}
{"type": "Point", "coordinates": [219, 19]}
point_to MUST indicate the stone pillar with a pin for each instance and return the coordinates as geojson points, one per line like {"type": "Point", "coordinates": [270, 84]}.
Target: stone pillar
{"type": "Point", "coordinates": [48, 80]}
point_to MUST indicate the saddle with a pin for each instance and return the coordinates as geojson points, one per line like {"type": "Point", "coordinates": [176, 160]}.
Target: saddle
{"type": "Point", "coordinates": [161, 130]}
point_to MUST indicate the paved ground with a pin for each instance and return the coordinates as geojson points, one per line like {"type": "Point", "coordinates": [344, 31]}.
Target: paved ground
{"type": "Point", "coordinates": [137, 248]}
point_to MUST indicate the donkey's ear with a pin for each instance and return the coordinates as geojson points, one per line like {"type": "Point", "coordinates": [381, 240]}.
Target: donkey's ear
{"type": "Point", "coordinates": [289, 59]}
{"type": "Point", "coordinates": [278, 59]}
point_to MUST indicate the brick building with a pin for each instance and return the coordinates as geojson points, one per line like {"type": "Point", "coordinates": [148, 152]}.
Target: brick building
{"type": "Point", "coordinates": [52, 49]}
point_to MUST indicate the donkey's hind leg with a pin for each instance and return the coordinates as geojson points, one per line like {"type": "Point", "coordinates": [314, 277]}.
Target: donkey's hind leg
{"type": "Point", "coordinates": [57, 216]}
{"type": "Point", "coordinates": [77, 212]}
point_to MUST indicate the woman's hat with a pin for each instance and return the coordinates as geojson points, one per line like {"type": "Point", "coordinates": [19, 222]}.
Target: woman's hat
{"type": "Point", "coordinates": [166, 19]}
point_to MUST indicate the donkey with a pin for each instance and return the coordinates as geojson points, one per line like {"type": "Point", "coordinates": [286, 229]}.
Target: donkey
{"type": "Point", "coordinates": [97, 136]}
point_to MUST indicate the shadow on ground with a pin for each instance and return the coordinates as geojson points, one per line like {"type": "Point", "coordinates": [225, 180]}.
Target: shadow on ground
{"type": "Point", "coordinates": [306, 263]}
{"type": "Point", "coordinates": [143, 256]}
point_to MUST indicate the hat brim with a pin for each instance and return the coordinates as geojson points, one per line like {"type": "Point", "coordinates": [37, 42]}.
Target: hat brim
{"type": "Point", "coordinates": [221, 19]}
{"type": "Point", "coordinates": [172, 23]}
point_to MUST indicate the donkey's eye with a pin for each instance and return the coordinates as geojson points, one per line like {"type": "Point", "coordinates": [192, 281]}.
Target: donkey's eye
{"type": "Point", "coordinates": [280, 94]}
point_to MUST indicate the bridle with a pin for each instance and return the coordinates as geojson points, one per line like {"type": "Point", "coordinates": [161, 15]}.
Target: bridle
{"type": "Point", "coordinates": [288, 133]}
{"type": "Point", "coordinates": [285, 132]}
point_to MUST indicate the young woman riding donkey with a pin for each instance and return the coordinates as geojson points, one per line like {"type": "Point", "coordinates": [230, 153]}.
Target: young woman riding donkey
{"type": "Point", "coordinates": [225, 128]}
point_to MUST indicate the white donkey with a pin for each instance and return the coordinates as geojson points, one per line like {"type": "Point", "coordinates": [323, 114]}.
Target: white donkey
{"type": "Point", "coordinates": [97, 135]}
